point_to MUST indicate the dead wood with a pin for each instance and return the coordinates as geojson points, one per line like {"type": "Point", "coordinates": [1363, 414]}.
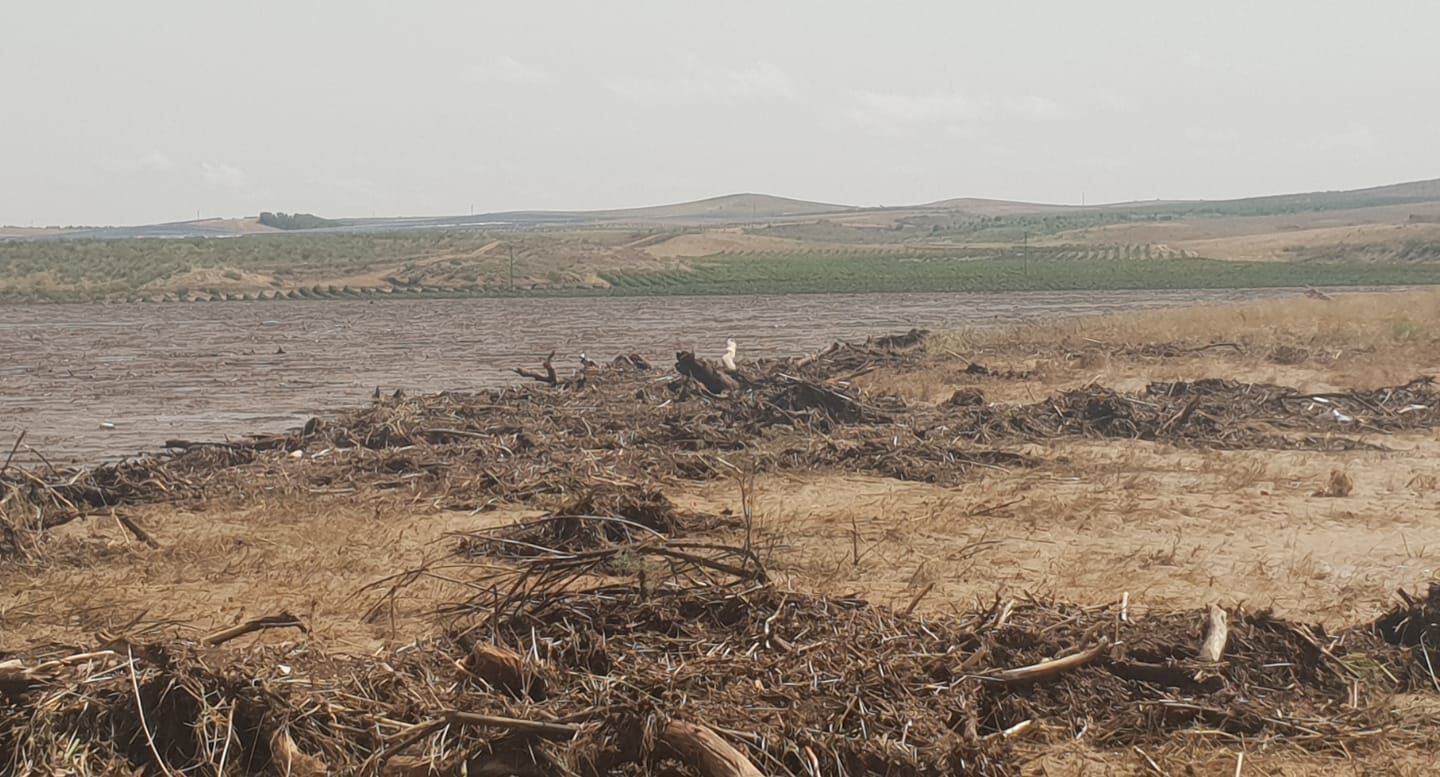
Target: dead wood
{"type": "Point", "coordinates": [281, 621]}
{"type": "Point", "coordinates": [1208, 346]}
{"type": "Point", "coordinates": [547, 377]}
{"type": "Point", "coordinates": [505, 670]}
{"type": "Point", "coordinates": [817, 356]}
{"type": "Point", "coordinates": [135, 529]}
{"type": "Point", "coordinates": [714, 380]}
{"type": "Point", "coordinates": [534, 727]}
{"type": "Point", "coordinates": [1052, 667]}
{"type": "Point", "coordinates": [632, 361]}
{"type": "Point", "coordinates": [704, 750]}
{"type": "Point", "coordinates": [1217, 633]}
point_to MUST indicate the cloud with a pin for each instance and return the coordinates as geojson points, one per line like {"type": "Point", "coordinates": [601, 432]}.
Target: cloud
{"type": "Point", "coordinates": [1210, 136]}
{"type": "Point", "coordinates": [150, 161]}
{"type": "Point", "coordinates": [1349, 138]}
{"type": "Point", "coordinates": [760, 81]}
{"type": "Point", "coordinates": [222, 174]}
{"type": "Point", "coordinates": [1035, 108]}
{"type": "Point", "coordinates": [505, 69]}
{"type": "Point", "coordinates": [889, 111]}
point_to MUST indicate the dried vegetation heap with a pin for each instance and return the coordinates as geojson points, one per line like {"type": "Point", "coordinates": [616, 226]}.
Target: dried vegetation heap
{"type": "Point", "coordinates": [619, 638]}
{"type": "Point", "coordinates": [702, 667]}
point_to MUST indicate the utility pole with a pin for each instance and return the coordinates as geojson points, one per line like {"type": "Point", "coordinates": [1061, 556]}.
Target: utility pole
{"type": "Point", "coordinates": [1025, 241]}
{"type": "Point", "coordinates": [512, 268]}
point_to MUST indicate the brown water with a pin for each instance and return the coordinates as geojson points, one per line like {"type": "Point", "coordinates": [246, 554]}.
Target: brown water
{"type": "Point", "coordinates": [211, 371]}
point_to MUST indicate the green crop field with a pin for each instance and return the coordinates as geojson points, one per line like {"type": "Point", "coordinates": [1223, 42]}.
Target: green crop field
{"type": "Point", "coordinates": [322, 266]}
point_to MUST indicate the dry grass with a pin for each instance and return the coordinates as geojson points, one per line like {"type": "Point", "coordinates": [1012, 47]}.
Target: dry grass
{"type": "Point", "coordinates": [1346, 322]}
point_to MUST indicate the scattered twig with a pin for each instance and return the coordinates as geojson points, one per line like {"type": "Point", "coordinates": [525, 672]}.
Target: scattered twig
{"type": "Point", "coordinates": [280, 621]}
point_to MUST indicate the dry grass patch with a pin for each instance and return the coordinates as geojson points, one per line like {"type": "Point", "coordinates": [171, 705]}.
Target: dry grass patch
{"type": "Point", "coordinates": [1347, 322]}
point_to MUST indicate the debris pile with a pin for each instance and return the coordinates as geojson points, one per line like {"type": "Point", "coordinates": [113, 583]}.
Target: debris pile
{"type": "Point", "coordinates": [561, 667]}
{"type": "Point", "coordinates": [1213, 413]}
{"type": "Point", "coordinates": [596, 519]}
{"type": "Point", "coordinates": [631, 425]}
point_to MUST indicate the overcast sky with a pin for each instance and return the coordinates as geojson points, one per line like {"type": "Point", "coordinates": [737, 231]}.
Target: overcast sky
{"type": "Point", "coordinates": [156, 110]}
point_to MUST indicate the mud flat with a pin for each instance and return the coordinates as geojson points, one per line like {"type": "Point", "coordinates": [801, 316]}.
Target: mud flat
{"type": "Point", "coordinates": [208, 371]}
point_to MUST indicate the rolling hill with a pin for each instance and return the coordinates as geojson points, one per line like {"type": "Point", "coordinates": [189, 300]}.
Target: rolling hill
{"type": "Point", "coordinates": [754, 243]}
{"type": "Point", "coordinates": [749, 208]}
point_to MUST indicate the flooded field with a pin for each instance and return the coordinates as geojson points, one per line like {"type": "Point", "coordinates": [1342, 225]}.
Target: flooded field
{"type": "Point", "coordinates": [90, 382]}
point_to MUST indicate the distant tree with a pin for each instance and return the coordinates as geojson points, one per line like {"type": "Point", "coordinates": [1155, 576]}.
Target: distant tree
{"type": "Point", "coordinates": [283, 220]}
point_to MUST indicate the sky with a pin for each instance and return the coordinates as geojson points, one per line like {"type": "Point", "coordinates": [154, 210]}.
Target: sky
{"type": "Point", "coordinates": [164, 110]}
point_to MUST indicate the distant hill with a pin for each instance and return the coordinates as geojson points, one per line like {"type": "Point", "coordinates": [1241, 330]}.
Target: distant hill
{"type": "Point", "coordinates": [748, 208]}
{"type": "Point", "coordinates": [743, 243]}
{"type": "Point", "coordinates": [730, 207]}
{"type": "Point", "coordinates": [1372, 197]}
{"type": "Point", "coordinates": [982, 207]}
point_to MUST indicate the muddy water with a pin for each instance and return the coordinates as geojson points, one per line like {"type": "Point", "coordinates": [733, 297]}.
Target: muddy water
{"type": "Point", "coordinates": [69, 373]}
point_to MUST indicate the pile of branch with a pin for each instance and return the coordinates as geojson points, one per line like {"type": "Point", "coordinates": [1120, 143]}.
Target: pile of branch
{"type": "Point", "coordinates": [598, 518]}
{"type": "Point", "coordinates": [1213, 413]}
{"type": "Point", "coordinates": [698, 663]}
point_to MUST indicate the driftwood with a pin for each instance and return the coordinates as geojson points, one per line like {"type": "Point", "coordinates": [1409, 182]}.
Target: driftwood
{"type": "Point", "coordinates": [548, 377]}
{"type": "Point", "coordinates": [505, 671]}
{"type": "Point", "coordinates": [536, 727]}
{"type": "Point", "coordinates": [281, 621]}
{"type": "Point", "coordinates": [631, 361]}
{"type": "Point", "coordinates": [818, 355]}
{"type": "Point", "coordinates": [135, 529]}
{"type": "Point", "coordinates": [1216, 635]}
{"type": "Point", "coordinates": [700, 369]}
{"type": "Point", "coordinates": [704, 750]}
{"type": "Point", "coordinates": [1054, 666]}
